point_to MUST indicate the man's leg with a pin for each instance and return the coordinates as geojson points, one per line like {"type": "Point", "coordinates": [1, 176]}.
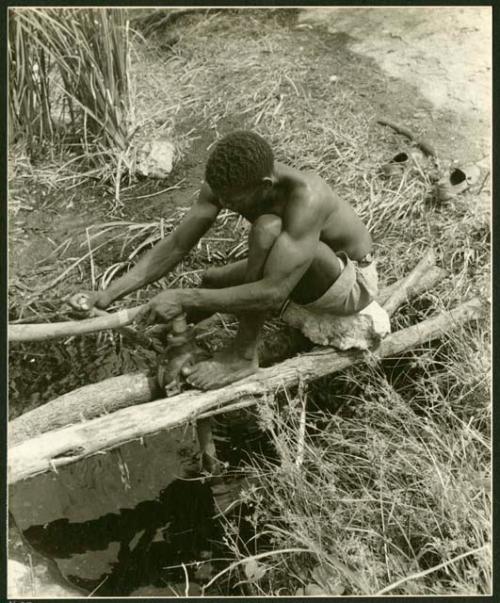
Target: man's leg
{"type": "Point", "coordinates": [218, 278]}
{"type": "Point", "coordinates": [262, 237]}
{"type": "Point", "coordinates": [240, 359]}
{"type": "Point", "coordinates": [319, 277]}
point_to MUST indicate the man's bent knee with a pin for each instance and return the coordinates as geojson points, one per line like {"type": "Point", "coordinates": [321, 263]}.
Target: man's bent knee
{"type": "Point", "coordinates": [224, 276]}
{"type": "Point", "coordinates": [210, 278]}
{"type": "Point", "coordinates": [265, 230]}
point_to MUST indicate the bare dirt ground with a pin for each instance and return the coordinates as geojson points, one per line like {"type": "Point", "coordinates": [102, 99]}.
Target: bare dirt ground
{"type": "Point", "coordinates": [444, 52]}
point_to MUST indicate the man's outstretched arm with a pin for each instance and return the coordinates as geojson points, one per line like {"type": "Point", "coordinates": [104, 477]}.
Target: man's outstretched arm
{"type": "Point", "coordinates": [166, 254]}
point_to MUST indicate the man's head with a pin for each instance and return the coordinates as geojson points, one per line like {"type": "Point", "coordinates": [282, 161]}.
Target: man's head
{"type": "Point", "coordinates": [240, 169]}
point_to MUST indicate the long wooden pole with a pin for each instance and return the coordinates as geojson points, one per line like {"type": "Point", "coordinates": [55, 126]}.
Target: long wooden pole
{"type": "Point", "coordinates": [71, 444]}
{"type": "Point", "coordinates": [84, 403]}
{"type": "Point", "coordinates": [122, 318]}
{"type": "Point", "coordinates": [52, 330]}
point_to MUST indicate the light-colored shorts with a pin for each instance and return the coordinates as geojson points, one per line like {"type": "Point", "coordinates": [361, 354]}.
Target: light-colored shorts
{"type": "Point", "coordinates": [354, 289]}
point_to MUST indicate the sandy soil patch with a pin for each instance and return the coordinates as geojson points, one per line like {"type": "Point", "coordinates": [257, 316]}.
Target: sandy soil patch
{"type": "Point", "coordinates": [445, 52]}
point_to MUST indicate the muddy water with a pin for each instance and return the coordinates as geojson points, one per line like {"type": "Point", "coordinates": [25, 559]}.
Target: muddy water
{"type": "Point", "coordinates": [124, 523]}
{"type": "Point", "coordinates": [115, 521]}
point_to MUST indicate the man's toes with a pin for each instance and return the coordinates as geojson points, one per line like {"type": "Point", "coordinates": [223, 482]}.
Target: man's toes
{"type": "Point", "coordinates": [190, 369]}
{"type": "Point", "coordinates": [194, 370]}
{"type": "Point", "coordinates": [211, 375]}
{"type": "Point", "coordinates": [199, 376]}
{"type": "Point", "coordinates": [201, 367]}
{"type": "Point", "coordinates": [207, 370]}
{"type": "Point", "coordinates": [205, 385]}
{"type": "Point", "coordinates": [194, 380]}
{"type": "Point", "coordinates": [208, 380]}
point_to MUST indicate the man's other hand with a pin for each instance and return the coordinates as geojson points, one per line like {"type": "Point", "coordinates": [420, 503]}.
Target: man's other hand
{"type": "Point", "coordinates": [163, 308]}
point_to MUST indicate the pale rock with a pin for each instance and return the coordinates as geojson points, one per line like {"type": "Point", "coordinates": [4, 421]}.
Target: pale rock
{"type": "Point", "coordinates": [362, 331]}
{"type": "Point", "coordinates": [25, 582]}
{"type": "Point", "coordinates": [155, 158]}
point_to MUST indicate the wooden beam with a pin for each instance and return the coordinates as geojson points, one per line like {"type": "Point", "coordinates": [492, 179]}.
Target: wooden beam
{"type": "Point", "coordinates": [407, 285]}
{"type": "Point", "coordinates": [52, 330]}
{"type": "Point", "coordinates": [71, 444]}
{"type": "Point", "coordinates": [84, 403]}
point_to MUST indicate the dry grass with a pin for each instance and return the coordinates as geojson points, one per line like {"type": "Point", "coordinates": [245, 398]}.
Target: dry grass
{"type": "Point", "coordinates": [384, 496]}
{"type": "Point", "coordinates": [392, 492]}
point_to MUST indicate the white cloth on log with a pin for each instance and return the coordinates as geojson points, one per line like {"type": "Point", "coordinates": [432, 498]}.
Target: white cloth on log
{"type": "Point", "coordinates": [363, 330]}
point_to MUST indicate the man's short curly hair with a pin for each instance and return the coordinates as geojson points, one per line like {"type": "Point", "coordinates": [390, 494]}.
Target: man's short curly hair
{"type": "Point", "coordinates": [238, 161]}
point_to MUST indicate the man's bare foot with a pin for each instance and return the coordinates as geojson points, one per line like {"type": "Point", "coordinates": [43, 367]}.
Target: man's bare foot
{"type": "Point", "coordinates": [226, 366]}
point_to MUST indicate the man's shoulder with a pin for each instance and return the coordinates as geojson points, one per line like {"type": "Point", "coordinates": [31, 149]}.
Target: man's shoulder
{"type": "Point", "coordinates": [310, 191]}
{"type": "Point", "coordinates": [307, 204]}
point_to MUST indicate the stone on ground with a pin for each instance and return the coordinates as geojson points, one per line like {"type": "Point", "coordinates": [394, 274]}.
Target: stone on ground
{"type": "Point", "coordinates": [155, 159]}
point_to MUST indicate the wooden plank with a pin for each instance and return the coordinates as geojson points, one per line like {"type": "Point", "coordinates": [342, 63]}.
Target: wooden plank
{"type": "Point", "coordinates": [52, 330]}
{"type": "Point", "coordinates": [84, 403]}
{"type": "Point", "coordinates": [407, 285]}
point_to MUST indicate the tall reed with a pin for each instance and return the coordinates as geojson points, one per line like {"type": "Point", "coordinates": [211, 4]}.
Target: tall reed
{"type": "Point", "coordinates": [69, 74]}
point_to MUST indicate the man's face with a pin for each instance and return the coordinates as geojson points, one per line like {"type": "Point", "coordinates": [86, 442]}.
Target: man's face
{"type": "Point", "coordinates": [244, 200]}
{"type": "Point", "coordinates": [239, 201]}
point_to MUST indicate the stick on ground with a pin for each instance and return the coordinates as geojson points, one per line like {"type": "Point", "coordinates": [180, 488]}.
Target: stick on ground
{"type": "Point", "coordinates": [423, 145]}
{"type": "Point", "coordinates": [400, 295]}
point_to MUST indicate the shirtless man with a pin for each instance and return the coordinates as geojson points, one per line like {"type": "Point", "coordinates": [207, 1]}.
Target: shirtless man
{"type": "Point", "coordinates": [306, 246]}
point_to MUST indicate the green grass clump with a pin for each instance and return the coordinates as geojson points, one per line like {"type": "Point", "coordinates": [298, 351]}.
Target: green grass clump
{"type": "Point", "coordinates": [69, 77]}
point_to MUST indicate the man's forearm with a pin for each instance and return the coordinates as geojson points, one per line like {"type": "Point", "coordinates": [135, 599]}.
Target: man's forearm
{"type": "Point", "coordinates": [157, 262]}
{"type": "Point", "coordinates": [263, 295]}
